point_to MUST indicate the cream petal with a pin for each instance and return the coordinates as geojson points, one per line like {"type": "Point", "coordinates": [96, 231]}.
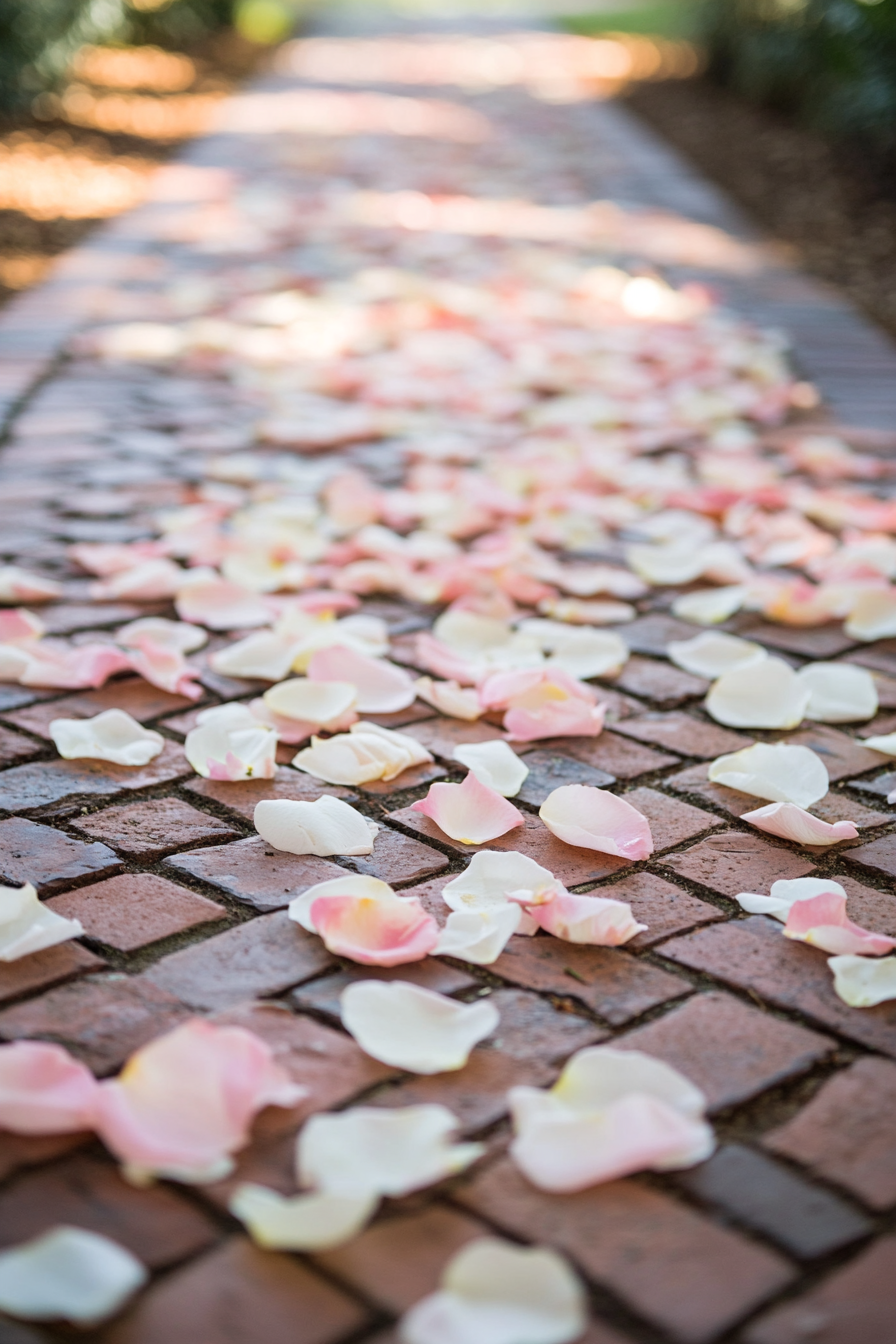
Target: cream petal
{"type": "Point", "coordinates": [449, 698]}
{"type": "Point", "coordinates": [600, 1074]}
{"type": "Point", "coordinates": [414, 1028]}
{"type": "Point", "coordinates": [220, 605]}
{"type": "Point", "coordinates": [591, 818]}
{"type": "Point", "coordinates": [404, 742]}
{"type": "Point", "coordinates": [711, 654]}
{"type": "Point", "coordinates": [264, 655]}
{"type": "Point", "coordinates": [839, 692]}
{"type": "Point", "coordinates": [492, 1292]}
{"type": "Point", "coordinates": [27, 925]}
{"type": "Point", "coordinates": [148, 581]}
{"type": "Point", "coordinates": [863, 983]}
{"type": "Point", "coordinates": [822, 922]}
{"type": "Point", "coordinates": [43, 1090]}
{"type": "Point", "coordinates": [375, 932]}
{"type": "Point", "coordinates": [589, 653]}
{"type": "Point", "coordinates": [19, 585]}
{"type": "Point", "coordinates": [381, 687]}
{"type": "Point", "coordinates": [794, 823]}
{"type": "Point", "coordinates": [384, 1152]}
{"type": "Point", "coordinates": [491, 875]}
{"type": "Point", "coordinates": [317, 702]}
{"type": "Point", "coordinates": [494, 764]}
{"type": "Point", "coordinates": [346, 759]}
{"type": "Point", "coordinates": [873, 615]}
{"type": "Point", "coordinates": [172, 634]}
{"type": "Point", "coordinates": [350, 885]}
{"type": "Point", "coordinates": [710, 606]}
{"type": "Point", "coordinates": [229, 743]}
{"type": "Point", "coordinates": [470, 812]}
{"type": "Point", "coordinates": [312, 1222]}
{"type": "Point", "coordinates": [325, 827]}
{"type": "Point", "coordinates": [470, 633]}
{"type": "Point", "coordinates": [885, 744]}
{"type": "Point", "coordinates": [776, 771]}
{"type": "Point", "coordinates": [784, 893]}
{"type": "Point", "coordinates": [767, 695]}
{"type": "Point", "coordinates": [110, 736]}
{"type": "Point", "coordinates": [480, 936]}
{"type": "Point", "coordinates": [68, 1273]}
{"type": "Point", "coordinates": [597, 920]}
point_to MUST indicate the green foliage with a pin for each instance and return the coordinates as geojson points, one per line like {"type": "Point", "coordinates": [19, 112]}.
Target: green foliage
{"type": "Point", "coordinates": [832, 63]}
{"type": "Point", "coordinates": [674, 19]}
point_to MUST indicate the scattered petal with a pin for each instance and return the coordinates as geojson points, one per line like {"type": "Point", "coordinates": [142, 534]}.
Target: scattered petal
{"type": "Point", "coordinates": [776, 771]}
{"type": "Point", "coordinates": [839, 692]}
{"type": "Point", "coordinates": [413, 1028]}
{"type": "Point", "coordinates": [68, 1273]}
{"type": "Point", "coordinates": [591, 818]}
{"type": "Point", "coordinates": [20, 626]}
{"type": "Point", "coordinates": [171, 634]}
{"type": "Point", "coordinates": [27, 925]}
{"type": "Point", "coordinates": [885, 744]}
{"type": "Point", "coordinates": [470, 812]}
{"type": "Point", "coordinates": [365, 753]}
{"type": "Point", "coordinates": [221, 605]}
{"type": "Point", "coordinates": [712, 654]}
{"type": "Point", "coordinates": [597, 920]}
{"type": "Point", "coordinates": [350, 885]}
{"type": "Point", "coordinates": [229, 743]}
{"type": "Point", "coordinates": [110, 736]}
{"type": "Point", "coordinates": [381, 687]}
{"type": "Point", "coordinates": [449, 698]}
{"type": "Point", "coordinates": [710, 606]}
{"type": "Point", "coordinates": [375, 931]}
{"type": "Point", "coordinates": [794, 823]}
{"type": "Point", "coordinates": [325, 827]}
{"type": "Point", "coordinates": [823, 922]}
{"type": "Point", "coordinates": [18, 585]}
{"type": "Point", "coordinates": [783, 895]}
{"type": "Point", "coordinates": [873, 615]}
{"type": "Point", "coordinates": [767, 695]}
{"type": "Point", "coordinates": [479, 936]}
{"type": "Point", "coordinates": [264, 656]}
{"type": "Point", "coordinates": [862, 983]}
{"type": "Point", "coordinates": [300, 707]}
{"type": "Point", "coordinates": [43, 1090]}
{"type": "Point", "coordinates": [494, 764]}
{"type": "Point", "coordinates": [489, 878]}
{"type": "Point", "coordinates": [312, 1222]}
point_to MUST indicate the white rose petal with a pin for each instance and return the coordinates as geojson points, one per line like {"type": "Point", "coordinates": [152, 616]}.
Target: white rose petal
{"type": "Point", "coordinates": [839, 692]}
{"type": "Point", "coordinates": [767, 695]}
{"type": "Point", "coordinates": [490, 876]}
{"type": "Point", "coordinates": [885, 744]}
{"type": "Point", "coordinates": [111, 736]}
{"type": "Point", "coordinates": [263, 655]}
{"type": "Point", "coordinates": [777, 772]}
{"type": "Point", "coordinates": [712, 654]}
{"type": "Point", "coordinates": [784, 893]}
{"type": "Point", "coordinates": [495, 764]}
{"type": "Point", "coordinates": [179, 635]}
{"type": "Point", "coordinates": [351, 885]}
{"type": "Point", "coordinates": [312, 1222]}
{"type": "Point", "coordinates": [864, 982]}
{"type": "Point", "coordinates": [68, 1273]}
{"type": "Point", "coordinates": [413, 1028]}
{"type": "Point", "coordinates": [325, 827]}
{"type": "Point", "coordinates": [230, 743]}
{"type": "Point", "coordinates": [710, 606]}
{"type": "Point", "coordinates": [480, 936]}
{"type": "Point", "coordinates": [311, 701]}
{"type": "Point", "coordinates": [27, 925]}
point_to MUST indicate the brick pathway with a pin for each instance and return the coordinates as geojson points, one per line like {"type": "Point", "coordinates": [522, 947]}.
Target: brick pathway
{"type": "Point", "coordinates": [785, 1235]}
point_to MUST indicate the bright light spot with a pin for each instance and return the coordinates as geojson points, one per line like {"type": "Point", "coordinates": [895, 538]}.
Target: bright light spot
{"type": "Point", "coordinates": [264, 21]}
{"type": "Point", "coordinates": [134, 68]}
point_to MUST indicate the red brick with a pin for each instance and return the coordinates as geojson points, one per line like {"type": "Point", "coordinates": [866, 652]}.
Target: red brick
{"type": "Point", "coordinates": [150, 829]}
{"type": "Point", "coordinates": [531, 1028]}
{"type": "Point", "coordinates": [396, 858]}
{"type": "Point", "coordinates": [595, 1333]}
{"type": "Point", "coordinates": [834, 807]}
{"type": "Point", "coordinates": [66, 618]}
{"type": "Point", "coordinates": [815, 642]}
{"type": "Point", "coordinates": [846, 1135]}
{"type": "Point", "coordinates": [400, 718]}
{"type": "Point", "coordinates": [671, 822]}
{"type": "Point", "coordinates": [102, 1020]}
{"type": "Point", "coordinates": [14, 748]}
{"type": "Point", "coordinates": [18, 1151]}
{"type": "Point", "coordinates": [613, 984]}
{"type": "Point", "coordinates": [753, 955]}
{"type": "Point", "coordinates": [843, 755]}
{"type": "Point", "coordinates": [157, 1224]}
{"type": "Point", "coordinates": [676, 1269]}
{"type": "Point", "coordinates": [568, 863]}
{"type": "Point", "coordinates": [261, 958]}
{"type": "Point", "coordinates": [43, 783]}
{"type": "Point", "coordinates": [440, 736]}
{"type": "Point", "coordinates": [322, 996]}
{"type": "Point", "coordinates": [770, 1199]}
{"type": "Point", "coordinates": [240, 1295]}
{"type": "Point", "coordinates": [735, 862]}
{"type": "Point", "coordinates": [398, 1261]}
{"type": "Point", "coordinates": [878, 857]}
{"type": "Point", "coordinates": [135, 696]}
{"type": "Point", "coordinates": [413, 778]}
{"type": "Point", "coordinates": [853, 1306]}
{"type": "Point", "coordinates": [548, 770]}
{"type": "Point", "coordinates": [618, 756]}
{"type": "Point", "coordinates": [49, 859]}
{"type": "Point", "coordinates": [252, 872]}
{"type": "Point", "coordinates": [243, 796]}
{"type": "Point", "coordinates": [43, 969]}
{"type": "Point", "coordinates": [664, 908]}
{"type": "Point", "coordinates": [684, 734]}
{"type": "Point", "coordinates": [731, 1051]}
{"type": "Point", "coordinates": [654, 633]}
{"type": "Point", "coordinates": [135, 909]}
{"type": "Point", "coordinates": [659, 681]}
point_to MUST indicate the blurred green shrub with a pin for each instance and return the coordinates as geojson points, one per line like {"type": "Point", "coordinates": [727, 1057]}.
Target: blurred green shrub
{"type": "Point", "coordinates": [831, 63]}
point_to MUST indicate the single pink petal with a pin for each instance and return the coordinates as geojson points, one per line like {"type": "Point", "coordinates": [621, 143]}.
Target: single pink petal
{"type": "Point", "coordinates": [795, 823]}
{"type": "Point", "coordinates": [432, 654]}
{"type": "Point", "coordinates": [185, 1101]}
{"type": "Point", "coordinates": [20, 626]}
{"type": "Point", "coordinates": [822, 921]}
{"type": "Point", "coordinates": [471, 811]}
{"type": "Point", "coordinates": [88, 665]}
{"type": "Point", "coordinates": [375, 932]}
{"type": "Point", "coordinates": [104, 558]}
{"type": "Point", "coordinates": [499, 689]}
{"type": "Point", "coordinates": [166, 668]}
{"type": "Point", "coordinates": [595, 819]}
{"type": "Point", "coordinates": [221, 605]}
{"type": "Point", "coordinates": [44, 1091]}
{"type": "Point", "coordinates": [383, 688]}
{"type": "Point", "coordinates": [554, 718]}
{"type": "Point", "coordinates": [148, 581]}
{"type": "Point", "coordinates": [597, 920]}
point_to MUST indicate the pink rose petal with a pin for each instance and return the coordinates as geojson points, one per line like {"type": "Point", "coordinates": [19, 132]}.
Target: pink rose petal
{"type": "Point", "coordinates": [166, 668]}
{"type": "Point", "coordinates": [44, 1091]}
{"type": "Point", "coordinates": [435, 656]}
{"type": "Point", "coordinates": [597, 920]}
{"type": "Point", "coordinates": [375, 932]}
{"type": "Point", "coordinates": [822, 921]}
{"type": "Point", "coordinates": [470, 812]}
{"type": "Point", "coordinates": [87, 665]}
{"type": "Point", "coordinates": [595, 819]}
{"type": "Point", "coordinates": [221, 605]}
{"type": "Point", "coordinates": [20, 626]}
{"type": "Point", "coordinates": [383, 688]}
{"type": "Point", "coordinates": [794, 823]}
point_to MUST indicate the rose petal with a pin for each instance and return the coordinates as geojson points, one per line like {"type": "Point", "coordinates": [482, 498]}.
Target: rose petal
{"type": "Point", "coordinates": [19, 585]}
{"type": "Point", "coordinates": [382, 688]}
{"type": "Point", "coordinates": [43, 1090]}
{"type": "Point", "coordinates": [220, 605]}
{"type": "Point", "coordinates": [480, 936]}
{"type": "Point", "coordinates": [712, 654]}
{"type": "Point", "coordinates": [20, 626]}
{"type": "Point", "coordinates": [822, 921]}
{"type": "Point", "coordinates": [27, 925]}
{"type": "Point", "coordinates": [776, 771]}
{"type": "Point", "coordinates": [449, 698]}
{"type": "Point", "coordinates": [414, 1028]}
{"type": "Point", "coordinates": [794, 823]}
{"type": "Point", "coordinates": [166, 668]}
{"type": "Point", "coordinates": [470, 812]}
{"type": "Point", "coordinates": [873, 616]}
{"type": "Point", "coordinates": [322, 704]}
{"type": "Point", "coordinates": [68, 1273]}
{"type": "Point", "coordinates": [839, 692]}
{"type": "Point", "coordinates": [150, 581]}
{"type": "Point", "coordinates": [783, 894]}
{"type": "Point", "coordinates": [381, 1152]}
{"type": "Point", "coordinates": [375, 931]}
{"type": "Point", "coordinates": [264, 655]}
{"type": "Point", "coordinates": [885, 744]}
{"type": "Point", "coordinates": [110, 736]}
{"type": "Point", "coordinates": [592, 818]}
{"type": "Point", "coordinates": [709, 606]}
{"type": "Point", "coordinates": [315, 1222]}
{"type": "Point", "coordinates": [597, 920]}
{"type": "Point", "coordinates": [767, 695]}
{"type": "Point", "coordinates": [325, 827]}
{"type": "Point", "coordinates": [229, 743]}
{"type": "Point", "coordinates": [494, 764]}
{"type": "Point", "coordinates": [863, 983]}
{"type": "Point", "coordinates": [350, 885]}
{"type": "Point", "coordinates": [171, 634]}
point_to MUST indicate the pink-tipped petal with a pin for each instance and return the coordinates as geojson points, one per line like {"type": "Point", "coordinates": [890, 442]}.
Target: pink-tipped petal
{"type": "Point", "coordinates": [597, 920]}
{"type": "Point", "coordinates": [382, 687]}
{"type": "Point", "coordinates": [446, 662]}
{"type": "Point", "coordinates": [44, 1091]}
{"type": "Point", "coordinates": [592, 818]}
{"type": "Point", "coordinates": [794, 823]}
{"type": "Point", "coordinates": [375, 932]}
{"type": "Point", "coordinates": [166, 668]}
{"type": "Point", "coordinates": [567, 717]}
{"type": "Point", "coordinates": [470, 812]}
{"type": "Point", "coordinates": [20, 626]}
{"type": "Point", "coordinates": [822, 921]}
{"type": "Point", "coordinates": [499, 690]}
{"type": "Point", "coordinates": [220, 605]}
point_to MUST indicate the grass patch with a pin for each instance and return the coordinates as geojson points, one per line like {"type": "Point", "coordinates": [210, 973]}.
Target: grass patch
{"type": "Point", "coordinates": [678, 20]}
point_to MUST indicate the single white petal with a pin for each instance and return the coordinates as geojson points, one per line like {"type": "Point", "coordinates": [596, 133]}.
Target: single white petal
{"type": "Point", "coordinates": [873, 615]}
{"type": "Point", "coordinates": [325, 827]}
{"type": "Point", "coordinates": [68, 1273]}
{"type": "Point", "coordinates": [495, 764]}
{"type": "Point", "coordinates": [311, 701]}
{"type": "Point", "coordinates": [230, 743]}
{"type": "Point", "coordinates": [312, 1222]}
{"type": "Point", "coordinates": [712, 653]}
{"type": "Point", "coordinates": [492, 1292]}
{"type": "Point", "coordinates": [784, 893]}
{"type": "Point", "coordinates": [490, 876]}
{"type": "Point", "coordinates": [27, 925]}
{"type": "Point", "coordinates": [839, 692]}
{"type": "Point", "coordinates": [351, 885]}
{"type": "Point", "coordinates": [263, 655]}
{"type": "Point", "coordinates": [414, 1028]}
{"type": "Point", "coordinates": [775, 771]}
{"type": "Point", "coordinates": [179, 635]}
{"type": "Point", "coordinates": [600, 1074]}
{"type": "Point", "coordinates": [480, 936]}
{"type": "Point", "coordinates": [864, 982]}
{"type": "Point", "coordinates": [590, 653]}
{"type": "Point", "coordinates": [379, 1151]}
{"type": "Point", "coordinates": [111, 736]}
{"type": "Point", "coordinates": [767, 695]}
{"type": "Point", "coordinates": [885, 744]}
{"type": "Point", "coordinates": [349, 758]}
{"type": "Point", "coordinates": [449, 697]}
{"type": "Point", "coordinates": [710, 606]}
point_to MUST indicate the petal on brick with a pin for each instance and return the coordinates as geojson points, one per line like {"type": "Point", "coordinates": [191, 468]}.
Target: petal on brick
{"type": "Point", "coordinates": [863, 983]}
{"type": "Point", "coordinates": [793, 823]}
{"type": "Point", "coordinates": [111, 736]}
{"type": "Point", "coordinates": [68, 1273]}
{"type": "Point", "coordinates": [783, 895]}
{"type": "Point", "coordinates": [712, 654]}
{"type": "Point", "coordinates": [597, 920]}
{"type": "Point", "coordinates": [380, 686]}
{"type": "Point", "coordinates": [470, 812]}
{"type": "Point", "coordinates": [449, 697]}
{"type": "Point", "coordinates": [312, 1222]}
{"type": "Point", "coordinates": [375, 932]}
{"type": "Point", "coordinates": [823, 922]}
{"type": "Point", "coordinates": [19, 585]}
{"type": "Point", "coordinates": [776, 771]}
{"type": "Point", "coordinates": [230, 743]}
{"type": "Point", "coordinates": [494, 764]}
{"type": "Point", "coordinates": [480, 936]}
{"type": "Point", "coordinates": [325, 827]}
{"type": "Point", "coordinates": [350, 885]}
{"type": "Point", "coordinates": [591, 818]}
{"type": "Point", "coordinates": [27, 925]}
{"type": "Point", "coordinates": [767, 695]}
{"type": "Point", "coordinates": [839, 692]}
{"type": "Point", "coordinates": [43, 1090]}
{"type": "Point", "coordinates": [414, 1028]}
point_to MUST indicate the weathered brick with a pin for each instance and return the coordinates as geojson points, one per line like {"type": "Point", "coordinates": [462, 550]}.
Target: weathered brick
{"type": "Point", "coordinates": [43, 783]}
{"type": "Point", "coordinates": [135, 696]}
{"type": "Point", "coordinates": [735, 862]}
{"type": "Point", "coordinates": [18, 1151]}
{"type": "Point", "coordinates": [684, 734]}
{"type": "Point", "coordinates": [816, 642]}
{"type": "Point", "coordinates": [654, 633]}
{"type": "Point", "coordinates": [40, 970]}
{"type": "Point", "coordinates": [548, 771]}
{"type": "Point", "coordinates": [731, 1051]}
{"type": "Point", "coordinates": [664, 908]}
{"type": "Point", "coordinates": [878, 857]}
{"type": "Point", "coordinates": [440, 736]}
{"type": "Point", "coordinates": [671, 821]}
{"type": "Point", "coordinates": [676, 1269]}
{"type": "Point", "coordinates": [773, 1201]}
{"type": "Point", "coordinates": [853, 1306]}
{"type": "Point", "coordinates": [135, 909]}
{"type": "Point", "coordinates": [254, 873]}
{"type": "Point", "coordinates": [322, 996]}
{"type": "Point", "coordinates": [49, 859]}
{"type": "Point", "coordinates": [396, 858]}
{"type": "Point", "coordinates": [659, 681]}
{"type": "Point", "coordinates": [530, 1027]}
{"type": "Point", "coordinates": [618, 756]}
{"type": "Point", "coordinates": [753, 955]}
{"type": "Point", "coordinates": [261, 958]}
{"type": "Point", "coordinates": [843, 755]}
{"type": "Point", "coordinates": [413, 778]}
{"type": "Point", "coordinates": [243, 796]}
{"type": "Point", "coordinates": [846, 1135]}
{"type": "Point", "coordinates": [151, 829]}
{"type": "Point", "coordinates": [16, 748]}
